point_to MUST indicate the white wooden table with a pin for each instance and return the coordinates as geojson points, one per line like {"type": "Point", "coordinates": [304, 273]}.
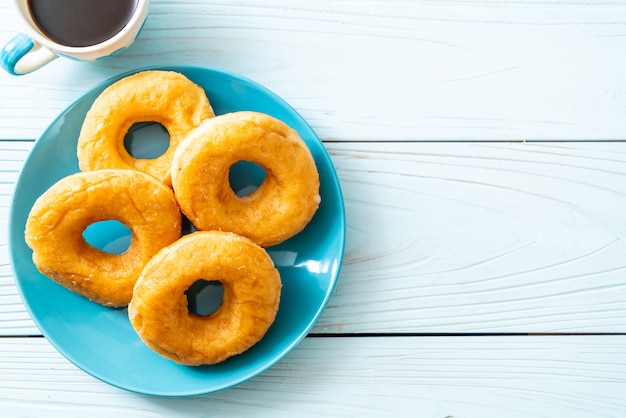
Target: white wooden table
{"type": "Point", "coordinates": [481, 148]}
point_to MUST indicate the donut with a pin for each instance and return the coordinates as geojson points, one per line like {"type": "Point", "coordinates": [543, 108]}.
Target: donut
{"type": "Point", "coordinates": [159, 311]}
{"type": "Point", "coordinates": [278, 209]}
{"type": "Point", "coordinates": [166, 97]}
{"type": "Point", "coordinates": [59, 216]}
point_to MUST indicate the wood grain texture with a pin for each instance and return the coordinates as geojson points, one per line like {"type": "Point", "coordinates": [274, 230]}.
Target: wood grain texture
{"type": "Point", "coordinates": [13, 318]}
{"type": "Point", "coordinates": [506, 237]}
{"type": "Point", "coordinates": [379, 70]}
{"type": "Point", "coordinates": [458, 237]}
{"type": "Point", "coordinates": [460, 377]}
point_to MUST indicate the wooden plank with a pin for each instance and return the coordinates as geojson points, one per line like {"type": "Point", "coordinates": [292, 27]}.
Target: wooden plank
{"type": "Point", "coordinates": [448, 237]}
{"type": "Point", "coordinates": [366, 377]}
{"type": "Point", "coordinates": [506, 237]}
{"type": "Point", "coordinates": [393, 70]}
{"type": "Point", "coordinates": [13, 318]}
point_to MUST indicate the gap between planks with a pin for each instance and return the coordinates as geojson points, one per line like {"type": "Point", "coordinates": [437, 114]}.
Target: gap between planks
{"type": "Point", "coordinates": [424, 334]}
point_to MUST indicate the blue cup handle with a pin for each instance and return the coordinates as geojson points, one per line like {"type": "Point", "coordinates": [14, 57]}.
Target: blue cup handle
{"type": "Point", "coordinates": [21, 55]}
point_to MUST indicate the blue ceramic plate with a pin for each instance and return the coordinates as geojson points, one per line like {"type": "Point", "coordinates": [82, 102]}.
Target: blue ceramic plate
{"type": "Point", "coordinates": [101, 340]}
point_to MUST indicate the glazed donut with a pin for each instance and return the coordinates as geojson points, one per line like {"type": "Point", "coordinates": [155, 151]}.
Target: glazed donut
{"type": "Point", "coordinates": [166, 97]}
{"type": "Point", "coordinates": [58, 218]}
{"type": "Point", "coordinates": [159, 312]}
{"type": "Point", "coordinates": [279, 208]}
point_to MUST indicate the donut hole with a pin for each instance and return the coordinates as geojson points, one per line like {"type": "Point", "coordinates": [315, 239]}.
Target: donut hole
{"type": "Point", "coordinates": [110, 236]}
{"type": "Point", "coordinates": [245, 177]}
{"type": "Point", "coordinates": [204, 297]}
{"type": "Point", "coordinates": [147, 140]}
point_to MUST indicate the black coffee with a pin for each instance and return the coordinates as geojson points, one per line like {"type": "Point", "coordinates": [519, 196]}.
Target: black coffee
{"type": "Point", "coordinates": [81, 22]}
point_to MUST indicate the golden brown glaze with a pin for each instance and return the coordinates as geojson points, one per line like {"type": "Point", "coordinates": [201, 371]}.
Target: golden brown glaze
{"type": "Point", "coordinates": [279, 208]}
{"type": "Point", "coordinates": [58, 218]}
{"type": "Point", "coordinates": [166, 97]}
{"type": "Point", "coordinates": [159, 313]}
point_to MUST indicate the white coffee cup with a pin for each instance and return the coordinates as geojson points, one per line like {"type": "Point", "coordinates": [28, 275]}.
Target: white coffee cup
{"type": "Point", "coordinates": [33, 49]}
